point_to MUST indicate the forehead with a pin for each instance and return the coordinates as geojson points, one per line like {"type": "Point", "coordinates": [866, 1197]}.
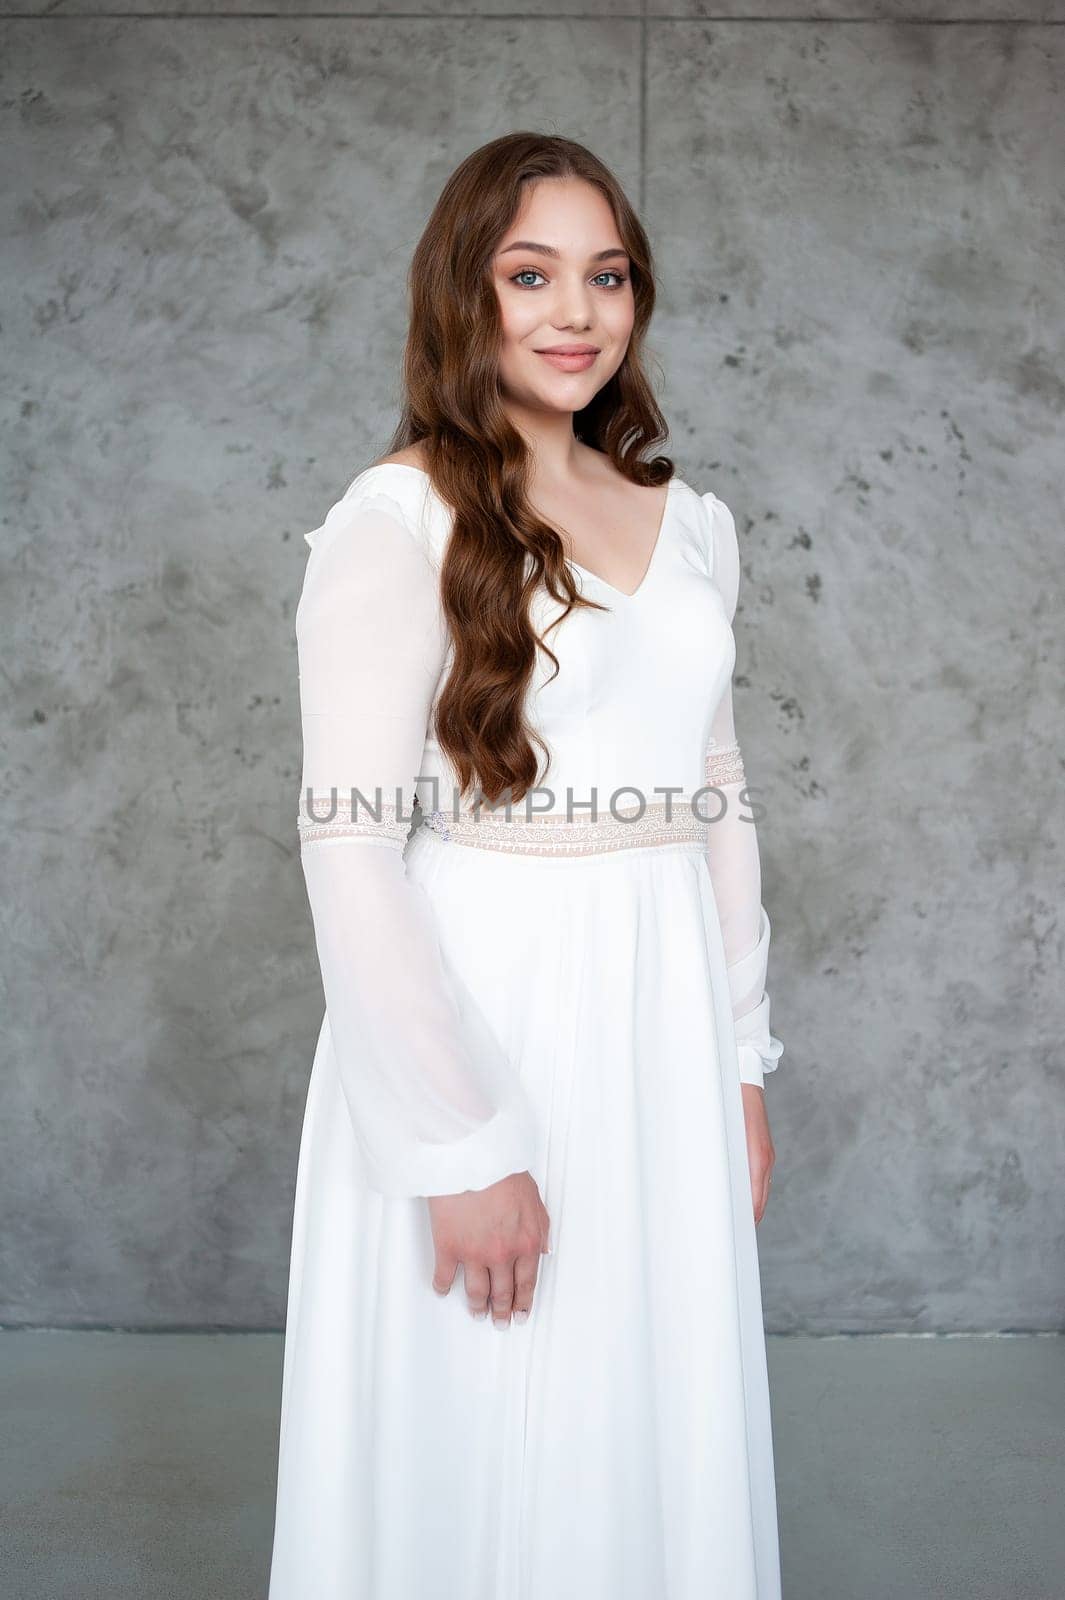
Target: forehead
{"type": "Point", "coordinates": [563, 217]}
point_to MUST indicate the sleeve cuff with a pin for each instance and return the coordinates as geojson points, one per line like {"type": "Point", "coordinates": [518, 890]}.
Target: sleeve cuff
{"type": "Point", "coordinates": [758, 1050]}
{"type": "Point", "coordinates": [504, 1145]}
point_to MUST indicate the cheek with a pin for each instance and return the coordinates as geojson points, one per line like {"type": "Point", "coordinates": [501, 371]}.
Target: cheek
{"type": "Point", "coordinates": [520, 320]}
{"type": "Point", "coordinates": [510, 312]}
{"type": "Point", "coordinates": [617, 316]}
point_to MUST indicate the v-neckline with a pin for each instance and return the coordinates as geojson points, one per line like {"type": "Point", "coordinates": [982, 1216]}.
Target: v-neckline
{"type": "Point", "coordinates": [624, 594]}
{"type": "Point", "coordinates": [621, 594]}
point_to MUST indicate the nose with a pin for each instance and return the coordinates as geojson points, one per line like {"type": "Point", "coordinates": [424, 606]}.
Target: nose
{"type": "Point", "coordinates": [573, 312]}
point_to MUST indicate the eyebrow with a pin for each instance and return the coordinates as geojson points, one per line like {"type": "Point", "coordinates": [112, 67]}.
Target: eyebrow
{"type": "Point", "coordinates": [549, 250]}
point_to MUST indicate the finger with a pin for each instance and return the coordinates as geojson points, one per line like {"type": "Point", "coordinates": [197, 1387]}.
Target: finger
{"type": "Point", "coordinates": [502, 1293]}
{"type": "Point", "coordinates": [478, 1288]}
{"type": "Point", "coordinates": [525, 1271]}
{"type": "Point", "coordinates": [444, 1270]}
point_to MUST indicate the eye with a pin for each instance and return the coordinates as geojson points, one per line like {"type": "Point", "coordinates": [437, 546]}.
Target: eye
{"type": "Point", "coordinates": [534, 272]}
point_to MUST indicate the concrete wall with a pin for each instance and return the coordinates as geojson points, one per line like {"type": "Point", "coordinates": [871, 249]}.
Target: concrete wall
{"type": "Point", "coordinates": [207, 219]}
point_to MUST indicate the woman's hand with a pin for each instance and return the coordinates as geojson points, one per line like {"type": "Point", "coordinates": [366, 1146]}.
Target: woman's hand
{"type": "Point", "coordinates": [499, 1235]}
{"type": "Point", "coordinates": [760, 1152]}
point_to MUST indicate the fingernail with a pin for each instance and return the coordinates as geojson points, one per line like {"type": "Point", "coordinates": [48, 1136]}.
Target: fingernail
{"type": "Point", "coordinates": [501, 1322]}
{"type": "Point", "coordinates": [521, 1316]}
{"type": "Point", "coordinates": [479, 1314]}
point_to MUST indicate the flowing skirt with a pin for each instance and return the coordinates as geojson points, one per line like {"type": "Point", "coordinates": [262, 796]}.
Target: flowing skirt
{"type": "Point", "coordinates": [618, 1445]}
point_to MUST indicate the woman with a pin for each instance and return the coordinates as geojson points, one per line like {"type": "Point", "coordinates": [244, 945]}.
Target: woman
{"type": "Point", "coordinates": [547, 1028]}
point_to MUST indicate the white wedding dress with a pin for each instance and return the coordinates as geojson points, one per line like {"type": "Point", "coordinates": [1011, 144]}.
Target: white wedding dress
{"type": "Point", "coordinates": [577, 996]}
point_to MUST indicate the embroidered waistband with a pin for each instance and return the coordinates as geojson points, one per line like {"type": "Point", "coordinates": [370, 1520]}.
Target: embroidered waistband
{"type": "Point", "coordinates": [679, 820]}
{"type": "Point", "coordinates": [549, 835]}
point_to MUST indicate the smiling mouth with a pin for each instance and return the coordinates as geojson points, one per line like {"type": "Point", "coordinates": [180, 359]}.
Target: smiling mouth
{"type": "Point", "coordinates": [569, 360]}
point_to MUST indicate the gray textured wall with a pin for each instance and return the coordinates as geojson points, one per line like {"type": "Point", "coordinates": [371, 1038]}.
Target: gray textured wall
{"type": "Point", "coordinates": [207, 221]}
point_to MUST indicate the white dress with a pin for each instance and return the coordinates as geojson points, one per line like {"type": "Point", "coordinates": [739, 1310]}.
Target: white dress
{"type": "Point", "coordinates": [577, 996]}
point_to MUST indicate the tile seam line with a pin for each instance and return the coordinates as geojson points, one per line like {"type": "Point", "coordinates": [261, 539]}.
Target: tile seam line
{"type": "Point", "coordinates": [641, 152]}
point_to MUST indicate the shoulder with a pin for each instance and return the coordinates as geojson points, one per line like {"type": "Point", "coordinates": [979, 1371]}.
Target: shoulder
{"type": "Point", "coordinates": [396, 488]}
{"type": "Point", "coordinates": [412, 456]}
{"type": "Point", "coordinates": [372, 568]}
{"type": "Point", "coordinates": [708, 531]}
{"type": "Point", "coordinates": [722, 549]}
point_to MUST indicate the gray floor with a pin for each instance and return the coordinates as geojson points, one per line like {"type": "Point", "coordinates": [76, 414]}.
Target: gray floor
{"type": "Point", "coordinates": [142, 1465]}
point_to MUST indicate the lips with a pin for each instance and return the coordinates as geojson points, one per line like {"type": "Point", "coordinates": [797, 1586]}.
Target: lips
{"type": "Point", "coordinates": [570, 359]}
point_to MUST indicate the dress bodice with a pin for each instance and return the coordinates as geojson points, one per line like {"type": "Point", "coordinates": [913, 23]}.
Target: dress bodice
{"type": "Point", "coordinates": [627, 716]}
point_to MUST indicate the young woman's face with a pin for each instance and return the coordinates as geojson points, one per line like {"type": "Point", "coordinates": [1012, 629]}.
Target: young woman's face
{"type": "Point", "coordinates": [563, 283]}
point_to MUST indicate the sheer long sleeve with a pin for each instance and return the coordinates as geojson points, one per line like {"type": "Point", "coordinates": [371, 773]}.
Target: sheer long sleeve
{"type": "Point", "coordinates": [735, 866]}
{"type": "Point", "coordinates": [434, 1104]}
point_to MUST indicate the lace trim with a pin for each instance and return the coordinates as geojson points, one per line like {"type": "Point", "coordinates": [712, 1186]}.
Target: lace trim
{"type": "Point", "coordinates": [724, 764]}
{"type": "Point", "coordinates": [681, 821]}
{"type": "Point", "coordinates": [559, 836]}
{"type": "Point", "coordinates": [336, 816]}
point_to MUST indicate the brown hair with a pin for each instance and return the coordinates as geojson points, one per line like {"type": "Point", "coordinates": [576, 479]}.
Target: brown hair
{"type": "Point", "coordinates": [499, 549]}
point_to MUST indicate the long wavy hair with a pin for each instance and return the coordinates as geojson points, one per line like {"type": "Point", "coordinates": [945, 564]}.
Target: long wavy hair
{"type": "Point", "coordinates": [500, 550]}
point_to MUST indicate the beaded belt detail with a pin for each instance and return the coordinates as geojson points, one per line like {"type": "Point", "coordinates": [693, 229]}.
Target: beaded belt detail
{"type": "Point", "coordinates": [680, 820]}
{"type": "Point", "coordinates": [632, 829]}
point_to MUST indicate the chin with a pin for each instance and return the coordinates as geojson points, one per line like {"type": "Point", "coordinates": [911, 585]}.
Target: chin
{"type": "Point", "coordinates": [567, 404]}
